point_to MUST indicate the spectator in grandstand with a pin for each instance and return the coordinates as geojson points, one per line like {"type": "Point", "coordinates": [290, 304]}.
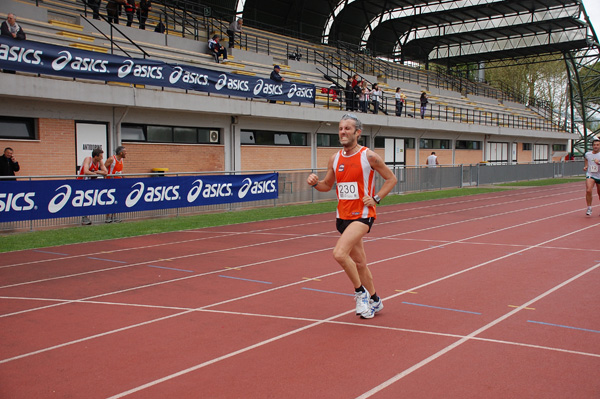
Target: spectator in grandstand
{"type": "Point", "coordinates": [113, 10]}
{"type": "Point", "coordinates": [216, 49]}
{"type": "Point", "coordinates": [8, 164]}
{"type": "Point", "coordinates": [114, 166]}
{"type": "Point", "coordinates": [142, 12]}
{"type": "Point", "coordinates": [352, 169]}
{"type": "Point", "coordinates": [91, 168]}
{"type": "Point", "coordinates": [349, 92]}
{"type": "Point", "coordinates": [364, 96]}
{"type": "Point", "coordinates": [234, 27]}
{"type": "Point", "coordinates": [400, 100]}
{"type": "Point", "coordinates": [95, 6]}
{"type": "Point", "coordinates": [276, 77]}
{"type": "Point", "coordinates": [11, 28]}
{"type": "Point", "coordinates": [424, 102]}
{"type": "Point", "coordinates": [354, 80]}
{"type": "Point", "coordinates": [376, 97]}
{"type": "Point", "coordinates": [357, 89]}
{"type": "Point", "coordinates": [129, 11]}
{"type": "Point", "coordinates": [160, 27]}
{"type": "Point", "coordinates": [591, 166]}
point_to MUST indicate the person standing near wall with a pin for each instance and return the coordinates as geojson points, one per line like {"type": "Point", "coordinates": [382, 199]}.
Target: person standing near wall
{"type": "Point", "coordinates": [8, 164]}
{"type": "Point", "coordinates": [431, 172]}
{"type": "Point", "coordinates": [234, 27]}
{"type": "Point", "coordinates": [424, 102]}
{"type": "Point", "coordinates": [91, 168]}
{"type": "Point", "coordinates": [142, 12]}
{"type": "Point", "coordinates": [114, 166]}
{"type": "Point", "coordinates": [276, 77]}
{"type": "Point", "coordinates": [353, 169]}
{"type": "Point", "coordinates": [400, 100]}
{"type": "Point", "coordinates": [376, 97]}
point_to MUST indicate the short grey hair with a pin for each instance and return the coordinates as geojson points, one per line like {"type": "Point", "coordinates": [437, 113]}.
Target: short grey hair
{"type": "Point", "coordinates": [353, 117]}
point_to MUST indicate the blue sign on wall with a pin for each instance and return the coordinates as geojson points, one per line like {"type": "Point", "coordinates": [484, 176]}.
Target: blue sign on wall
{"type": "Point", "coordinates": [30, 200]}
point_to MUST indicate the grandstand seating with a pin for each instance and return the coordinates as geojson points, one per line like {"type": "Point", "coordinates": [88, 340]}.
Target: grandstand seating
{"type": "Point", "coordinates": [63, 25]}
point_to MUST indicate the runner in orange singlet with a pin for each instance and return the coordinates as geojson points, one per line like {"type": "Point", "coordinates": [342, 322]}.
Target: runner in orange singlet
{"type": "Point", "coordinates": [114, 165]}
{"type": "Point", "coordinates": [353, 168]}
{"type": "Point", "coordinates": [91, 168]}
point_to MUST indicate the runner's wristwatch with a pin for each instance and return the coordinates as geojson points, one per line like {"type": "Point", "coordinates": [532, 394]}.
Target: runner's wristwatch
{"type": "Point", "coordinates": [376, 198]}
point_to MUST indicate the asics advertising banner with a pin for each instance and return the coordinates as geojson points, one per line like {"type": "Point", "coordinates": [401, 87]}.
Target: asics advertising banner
{"type": "Point", "coordinates": [36, 57]}
{"type": "Point", "coordinates": [30, 200]}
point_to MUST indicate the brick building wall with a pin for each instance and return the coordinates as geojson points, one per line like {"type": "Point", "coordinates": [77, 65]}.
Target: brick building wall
{"type": "Point", "coordinates": [258, 157]}
{"type": "Point", "coordinates": [468, 157]}
{"type": "Point", "coordinates": [143, 157]}
{"type": "Point", "coordinates": [53, 153]}
{"type": "Point", "coordinates": [524, 156]}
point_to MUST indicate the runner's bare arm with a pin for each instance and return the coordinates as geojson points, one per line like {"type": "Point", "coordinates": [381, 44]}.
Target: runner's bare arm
{"type": "Point", "coordinates": [327, 182]}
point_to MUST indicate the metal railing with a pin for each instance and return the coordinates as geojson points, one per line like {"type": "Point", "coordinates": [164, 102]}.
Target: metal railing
{"type": "Point", "coordinates": [294, 190]}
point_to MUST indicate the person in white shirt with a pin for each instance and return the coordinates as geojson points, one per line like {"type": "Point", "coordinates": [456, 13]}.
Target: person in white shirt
{"type": "Point", "coordinates": [400, 100]}
{"type": "Point", "coordinates": [375, 97]}
{"type": "Point", "coordinates": [432, 160]}
{"type": "Point", "coordinates": [234, 27]}
{"type": "Point", "coordinates": [431, 173]}
{"type": "Point", "coordinates": [592, 173]}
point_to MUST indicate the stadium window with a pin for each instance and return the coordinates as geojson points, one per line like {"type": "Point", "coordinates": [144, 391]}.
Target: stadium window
{"type": "Point", "coordinates": [380, 142]}
{"type": "Point", "coordinates": [540, 153]}
{"type": "Point", "coordinates": [261, 137]}
{"type": "Point", "coordinates": [526, 146]}
{"type": "Point", "coordinates": [159, 134]}
{"type": "Point", "coordinates": [133, 133]}
{"type": "Point", "coordinates": [434, 144]}
{"type": "Point", "coordinates": [327, 140]}
{"type": "Point", "coordinates": [497, 153]}
{"type": "Point", "coordinates": [468, 145]}
{"type": "Point", "coordinates": [333, 140]}
{"type": "Point", "coordinates": [17, 128]}
{"type": "Point", "coordinates": [185, 135]}
{"type": "Point", "coordinates": [169, 134]}
{"type": "Point", "coordinates": [559, 147]}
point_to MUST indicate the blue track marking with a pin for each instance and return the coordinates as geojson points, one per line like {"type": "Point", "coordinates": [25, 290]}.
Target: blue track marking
{"type": "Point", "coordinates": [559, 325]}
{"type": "Point", "coordinates": [437, 307]}
{"type": "Point", "coordinates": [171, 268]}
{"type": "Point", "coordinates": [51, 253]}
{"type": "Point", "coordinates": [327, 292]}
{"type": "Point", "coordinates": [245, 279]}
{"type": "Point", "coordinates": [106, 260]}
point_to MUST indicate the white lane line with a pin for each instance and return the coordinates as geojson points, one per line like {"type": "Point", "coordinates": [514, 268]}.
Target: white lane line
{"type": "Point", "coordinates": [221, 233]}
{"type": "Point", "coordinates": [461, 341]}
{"type": "Point", "coordinates": [420, 364]}
{"type": "Point", "coordinates": [282, 258]}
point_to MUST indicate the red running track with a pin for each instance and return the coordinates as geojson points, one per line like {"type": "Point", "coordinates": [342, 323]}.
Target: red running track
{"type": "Point", "coordinates": [486, 296]}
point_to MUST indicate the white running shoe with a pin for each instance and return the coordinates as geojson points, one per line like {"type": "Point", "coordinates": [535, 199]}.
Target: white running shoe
{"type": "Point", "coordinates": [589, 212]}
{"type": "Point", "coordinates": [374, 307]}
{"type": "Point", "coordinates": [362, 302]}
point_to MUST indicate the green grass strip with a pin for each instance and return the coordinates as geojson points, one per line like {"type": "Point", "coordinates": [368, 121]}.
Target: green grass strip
{"type": "Point", "coordinates": [538, 183]}
{"type": "Point", "coordinates": [79, 234]}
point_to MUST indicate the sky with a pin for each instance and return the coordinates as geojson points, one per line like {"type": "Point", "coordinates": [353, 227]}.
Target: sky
{"type": "Point", "coordinates": [592, 7]}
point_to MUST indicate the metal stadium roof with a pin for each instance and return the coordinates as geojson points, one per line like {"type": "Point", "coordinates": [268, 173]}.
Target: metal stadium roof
{"type": "Point", "coordinates": [448, 32]}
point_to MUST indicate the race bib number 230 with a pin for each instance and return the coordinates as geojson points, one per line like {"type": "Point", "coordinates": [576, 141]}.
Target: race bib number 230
{"type": "Point", "coordinates": [347, 191]}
